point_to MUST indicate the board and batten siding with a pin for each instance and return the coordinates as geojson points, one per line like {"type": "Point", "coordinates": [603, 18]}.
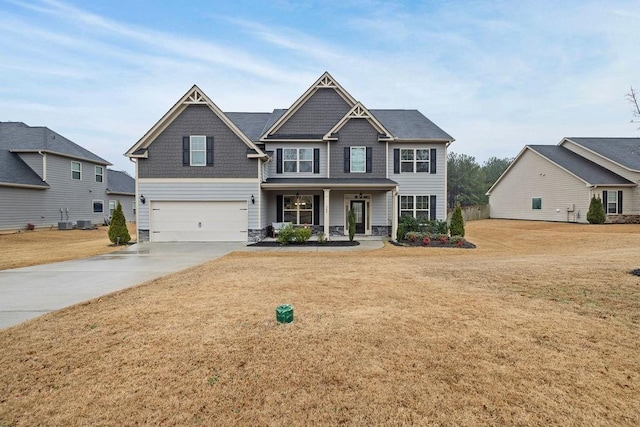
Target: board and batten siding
{"type": "Point", "coordinates": [631, 197]}
{"type": "Point", "coordinates": [273, 164]}
{"type": "Point", "coordinates": [42, 207]}
{"type": "Point", "coordinates": [421, 183]}
{"type": "Point", "coordinates": [197, 190]}
{"type": "Point", "coordinates": [533, 176]}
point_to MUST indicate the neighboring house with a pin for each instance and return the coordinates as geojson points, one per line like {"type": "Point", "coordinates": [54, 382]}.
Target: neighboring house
{"type": "Point", "coordinates": [556, 182]}
{"type": "Point", "coordinates": [206, 175]}
{"type": "Point", "coordinates": [121, 187]}
{"type": "Point", "coordinates": [46, 178]}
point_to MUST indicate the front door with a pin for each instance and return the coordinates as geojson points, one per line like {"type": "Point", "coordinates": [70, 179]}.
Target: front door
{"type": "Point", "coordinates": [358, 208]}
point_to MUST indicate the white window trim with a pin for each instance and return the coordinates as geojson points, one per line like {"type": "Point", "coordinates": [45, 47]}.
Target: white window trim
{"type": "Point", "coordinates": [298, 209]}
{"type": "Point", "coordinates": [79, 170]}
{"type": "Point", "coordinates": [93, 209]}
{"type": "Point", "coordinates": [191, 150]}
{"type": "Point", "coordinates": [613, 201]}
{"type": "Point", "coordinates": [414, 162]}
{"type": "Point", "coordinates": [101, 174]}
{"type": "Point", "coordinates": [115, 205]}
{"type": "Point", "coordinates": [297, 160]}
{"type": "Point", "coordinates": [364, 149]}
{"type": "Point", "coordinates": [414, 210]}
{"type": "Point", "coordinates": [134, 206]}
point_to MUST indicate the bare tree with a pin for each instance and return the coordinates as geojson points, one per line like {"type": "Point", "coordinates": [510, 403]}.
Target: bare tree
{"type": "Point", "coordinates": [633, 97]}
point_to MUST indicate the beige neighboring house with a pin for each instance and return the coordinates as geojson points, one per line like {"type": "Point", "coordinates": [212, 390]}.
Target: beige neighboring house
{"type": "Point", "coordinates": [556, 182]}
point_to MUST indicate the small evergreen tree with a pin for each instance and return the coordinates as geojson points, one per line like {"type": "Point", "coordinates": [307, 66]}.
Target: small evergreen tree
{"type": "Point", "coordinates": [351, 217]}
{"type": "Point", "coordinates": [596, 213]}
{"type": "Point", "coordinates": [457, 223]}
{"type": "Point", "coordinates": [118, 232]}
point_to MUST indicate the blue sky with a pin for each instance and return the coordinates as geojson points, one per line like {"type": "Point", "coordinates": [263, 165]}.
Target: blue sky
{"type": "Point", "coordinates": [495, 75]}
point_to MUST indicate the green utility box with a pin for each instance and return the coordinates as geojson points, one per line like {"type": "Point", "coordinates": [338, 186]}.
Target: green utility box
{"type": "Point", "coordinates": [284, 313]}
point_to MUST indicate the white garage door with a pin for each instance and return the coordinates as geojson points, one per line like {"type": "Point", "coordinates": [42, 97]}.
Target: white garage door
{"type": "Point", "coordinates": [198, 221]}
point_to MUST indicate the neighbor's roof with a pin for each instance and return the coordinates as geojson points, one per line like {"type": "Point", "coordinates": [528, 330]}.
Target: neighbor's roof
{"type": "Point", "coordinates": [120, 182]}
{"type": "Point", "coordinates": [403, 124]}
{"type": "Point", "coordinates": [15, 172]}
{"type": "Point", "coordinates": [19, 137]}
{"type": "Point", "coordinates": [588, 171]}
{"type": "Point", "coordinates": [624, 151]}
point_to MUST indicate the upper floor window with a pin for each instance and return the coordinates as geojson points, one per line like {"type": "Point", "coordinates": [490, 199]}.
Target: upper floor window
{"type": "Point", "coordinates": [198, 150]}
{"type": "Point", "coordinates": [99, 173]}
{"type": "Point", "coordinates": [414, 160]}
{"type": "Point", "coordinates": [298, 159]}
{"type": "Point", "coordinates": [358, 159]}
{"type": "Point", "coordinates": [76, 170]}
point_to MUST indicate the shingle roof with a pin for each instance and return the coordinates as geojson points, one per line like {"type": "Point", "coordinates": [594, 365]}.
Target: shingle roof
{"type": "Point", "coordinates": [584, 169]}
{"type": "Point", "coordinates": [13, 171]}
{"type": "Point", "coordinates": [328, 182]}
{"type": "Point", "coordinates": [17, 136]}
{"type": "Point", "coordinates": [410, 124]}
{"type": "Point", "coordinates": [120, 182]}
{"type": "Point", "coordinates": [624, 151]}
{"type": "Point", "coordinates": [403, 124]}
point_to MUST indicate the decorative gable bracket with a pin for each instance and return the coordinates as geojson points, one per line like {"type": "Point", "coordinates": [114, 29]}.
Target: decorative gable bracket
{"type": "Point", "coordinates": [359, 111]}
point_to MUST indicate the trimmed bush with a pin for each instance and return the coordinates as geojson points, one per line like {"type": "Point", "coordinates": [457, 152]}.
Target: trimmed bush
{"type": "Point", "coordinates": [351, 216]}
{"type": "Point", "coordinates": [285, 235]}
{"type": "Point", "coordinates": [457, 223]}
{"type": "Point", "coordinates": [301, 234]}
{"type": "Point", "coordinates": [596, 214]}
{"type": "Point", "coordinates": [118, 232]}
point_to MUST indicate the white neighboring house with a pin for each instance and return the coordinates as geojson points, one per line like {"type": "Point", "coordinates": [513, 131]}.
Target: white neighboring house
{"type": "Point", "coordinates": [556, 182]}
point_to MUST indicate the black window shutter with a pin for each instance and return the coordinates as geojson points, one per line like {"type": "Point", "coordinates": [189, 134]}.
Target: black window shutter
{"type": "Point", "coordinates": [316, 210]}
{"type": "Point", "coordinates": [347, 159]}
{"type": "Point", "coordinates": [186, 148]}
{"type": "Point", "coordinates": [279, 161]}
{"type": "Point", "coordinates": [209, 151]}
{"type": "Point", "coordinates": [369, 159]}
{"type": "Point", "coordinates": [604, 202]}
{"type": "Point", "coordinates": [396, 160]}
{"type": "Point", "coordinates": [432, 160]}
{"type": "Point", "coordinates": [432, 208]}
{"type": "Point", "coordinates": [620, 201]}
{"type": "Point", "coordinates": [279, 208]}
{"type": "Point", "coordinates": [316, 160]}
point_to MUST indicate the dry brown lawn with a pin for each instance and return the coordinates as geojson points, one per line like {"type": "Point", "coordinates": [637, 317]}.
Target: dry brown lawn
{"type": "Point", "coordinates": [537, 326]}
{"type": "Point", "coordinates": [45, 246]}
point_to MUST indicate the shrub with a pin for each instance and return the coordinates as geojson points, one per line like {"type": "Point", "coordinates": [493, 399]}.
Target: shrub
{"type": "Point", "coordinates": [351, 216]}
{"type": "Point", "coordinates": [400, 233]}
{"type": "Point", "coordinates": [441, 227]}
{"type": "Point", "coordinates": [118, 232]}
{"type": "Point", "coordinates": [414, 236]}
{"type": "Point", "coordinates": [426, 241]}
{"type": "Point", "coordinates": [457, 223]}
{"type": "Point", "coordinates": [596, 214]}
{"type": "Point", "coordinates": [285, 235]}
{"type": "Point", "coordinates": [322, 239]}
{"type": "Point", "coordinates": [457, 240]}
{"type": "Point", "coordinates": [302, 234]}
{"type": "Point", "coordinates": [409, 223]}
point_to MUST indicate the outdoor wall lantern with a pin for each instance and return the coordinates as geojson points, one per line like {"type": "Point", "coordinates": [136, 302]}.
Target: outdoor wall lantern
{"type": "Point", "coordinates": [142, 199]}
{"type": "Point", "coordinates": [253, 200]}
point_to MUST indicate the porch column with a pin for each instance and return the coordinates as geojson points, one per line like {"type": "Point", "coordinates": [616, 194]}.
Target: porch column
{"type": "Point", "coordinates": [394, 214]}
{"type": "Point", "coordinates": [326, 212]}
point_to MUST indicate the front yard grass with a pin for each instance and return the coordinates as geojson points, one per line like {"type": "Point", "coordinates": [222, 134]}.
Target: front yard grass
{"type": "Point", "coordinates": [539, 325]}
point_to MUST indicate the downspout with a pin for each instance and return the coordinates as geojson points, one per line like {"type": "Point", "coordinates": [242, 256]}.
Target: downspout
{"type": "Point", "coordinates": [44, 165]}
{"type": "Point", "coordinates": [136, 200]}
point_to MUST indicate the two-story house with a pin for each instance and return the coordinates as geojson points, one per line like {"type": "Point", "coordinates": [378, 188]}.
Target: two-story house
{"type": "Point", "coordinates": [206, 175]}
{"type": "Point", "coordinates": [46, 178]}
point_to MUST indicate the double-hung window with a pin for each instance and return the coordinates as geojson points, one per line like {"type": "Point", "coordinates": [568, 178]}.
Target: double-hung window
{"type": "Point", "coordinates": [99, 174]}
{"type": "Point", "coordinates": [358, 159]}
{"type": "Point", "coordinates": [415, 206]}
{"type": "Point", "coordinates": [414, 160]}
{"type": "Point", "coordinates": [612, 202]}
{"type": "Point", "coordinates": [297, 209]}
{"type": "Point", "coordinates": [198, 150]}
{"type": "Point", "coordinates": [112, 206]}
{"type": "Point", "coordinates": [76, 170]}
{"type": "Point", "coordinates": [298, 159]}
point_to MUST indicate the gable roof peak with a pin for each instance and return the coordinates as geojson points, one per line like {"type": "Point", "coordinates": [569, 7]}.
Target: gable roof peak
{"type": "Point", "coordinates": [358, 111]}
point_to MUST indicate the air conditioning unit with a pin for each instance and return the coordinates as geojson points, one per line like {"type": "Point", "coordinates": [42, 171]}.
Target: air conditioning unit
{"type": "Point", "coordinates": [84, 224]}
{"type": "Point", "coordinates": [65, 225]}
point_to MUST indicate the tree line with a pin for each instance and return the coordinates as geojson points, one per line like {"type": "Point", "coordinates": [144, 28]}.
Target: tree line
{"type": "Point", "coordinates": [468, 181]}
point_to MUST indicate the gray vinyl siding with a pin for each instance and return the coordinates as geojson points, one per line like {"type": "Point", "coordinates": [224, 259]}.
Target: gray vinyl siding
{"type": "Point", "coordinates": [197, 191]}
{"type": "Point", "coordinates": [42, 207]}
{"type": "Point", "coordinates": [532, 176]}
{"type": "Point", "coordinates": [631, 203]}
{"type": "Point", "coordinates": [229, 152]}
{"type": "Point", "coordinates": [127, 205]}
{"type": "Point", "coordinates": [358, 133]}
{"type": "Point", "coordinates": [317, 115]}
{"type": "Point", "coordinates": [273, 164]}
{"type": "Point", "coordinates": [35, 162]}
{"type": "Point", "coordinates": [271, 199]}
{"type": "Point", "coordinates": [422, 183]}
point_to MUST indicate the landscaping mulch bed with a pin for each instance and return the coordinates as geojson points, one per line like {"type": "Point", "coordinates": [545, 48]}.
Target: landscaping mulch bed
{"type": "Point", "coordinates": [330, 243]}
{"type": "Point", "coordinates": [434, 244]}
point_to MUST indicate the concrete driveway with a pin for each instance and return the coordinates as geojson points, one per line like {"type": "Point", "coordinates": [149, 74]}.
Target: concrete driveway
{"type": "Point", "coordinates": [29, 292]}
